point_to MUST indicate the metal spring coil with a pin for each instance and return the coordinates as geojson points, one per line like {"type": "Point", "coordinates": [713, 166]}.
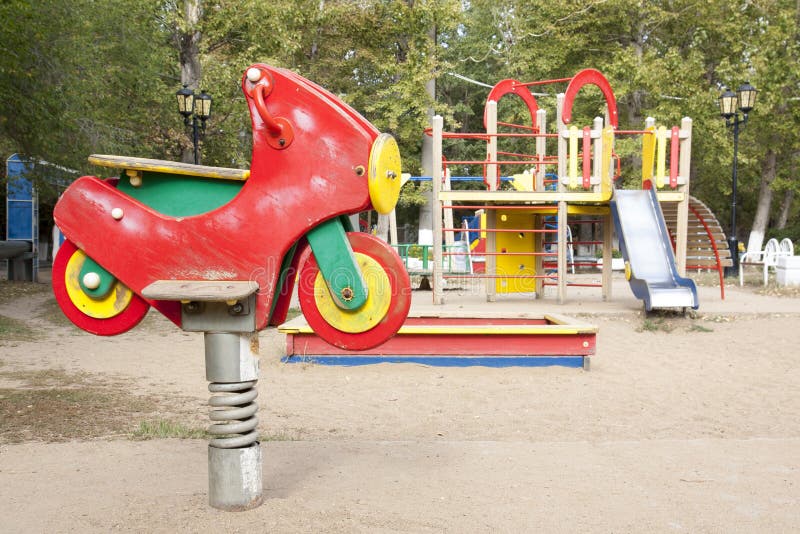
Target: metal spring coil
{"type": "Point", "coordinates": [237, 404]}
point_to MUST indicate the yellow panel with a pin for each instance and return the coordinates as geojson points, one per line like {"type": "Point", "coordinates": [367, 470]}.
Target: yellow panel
{"type": "Point", "coordinates": [523, 182]}
{"type": "Point", "coordinates": [579, 209]}
{"type": "Point", "coordinates": [661, 156]}
{"type": "Point", "coordinates": [648, 153]}
{"type": "Point", "coordinates": [573, 157]}
{"type": "Point", "coordinates": [511, 242]}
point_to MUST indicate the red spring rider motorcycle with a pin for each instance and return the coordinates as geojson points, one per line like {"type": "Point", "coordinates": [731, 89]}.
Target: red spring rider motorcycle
{"type": "Point", "coordinates": [315, 162]}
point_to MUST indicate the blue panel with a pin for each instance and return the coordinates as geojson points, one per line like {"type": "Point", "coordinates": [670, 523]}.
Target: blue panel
{"type": "Point", "coordinates": [444, 361]}
{"type": "Point", "coordinates": [20, 220]}
{"type": "Point", "coordinates": [19, 203]}
{"type": "Point", "coordinates": [18, 188]}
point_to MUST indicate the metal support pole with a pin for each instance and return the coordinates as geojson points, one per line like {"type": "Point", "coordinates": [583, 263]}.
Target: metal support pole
{"type": "Point", "coordinates": [196, 140]}
{"type": "Point", "coordinates": [234, 453]}
{"type": "Point", "coordinates": [733, 242]}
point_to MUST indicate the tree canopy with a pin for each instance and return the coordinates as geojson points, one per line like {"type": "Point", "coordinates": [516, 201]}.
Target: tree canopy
{"type": "Point", "coordinates": [99, 76]}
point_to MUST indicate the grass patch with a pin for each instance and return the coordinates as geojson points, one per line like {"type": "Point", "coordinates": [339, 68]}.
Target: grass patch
{"type": "Point", "coordinates": [15, 290]}
{"type": "Point", "coordinates": [668, 321]}
{"type": "Point", "coordinates": [53, 406]}
{"type": "Point", "coordinates": [162, 428]}
{"type": "Point", "coordinates": [658, 324]}
{"type": "Point", "coordinates": [15, 330]}
{"type": "Point", "coordinates": [648, 325]}
{"type": "Point", "coordinates": [64, 414]}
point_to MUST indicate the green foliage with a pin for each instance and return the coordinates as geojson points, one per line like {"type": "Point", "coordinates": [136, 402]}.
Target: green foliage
{"type": "Point", "coordinates": [84, 77]}
{"type": "Point", "coordinates": [98, 76]}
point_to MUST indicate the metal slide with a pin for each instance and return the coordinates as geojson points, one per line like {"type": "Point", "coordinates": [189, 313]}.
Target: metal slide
{"type": "Point", "coordinates": [647, 249]}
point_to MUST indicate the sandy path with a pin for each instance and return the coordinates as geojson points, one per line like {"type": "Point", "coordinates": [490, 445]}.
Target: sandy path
{"type": "Point", "coordinates": [415, 486]}
{"type": "Point", "coordinates": [693, 430]}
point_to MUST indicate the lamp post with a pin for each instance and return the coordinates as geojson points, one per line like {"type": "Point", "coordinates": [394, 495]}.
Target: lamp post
{"type": "Point", "coordinates": [194, 107]}
{"type": "Point", "coordinates": [744, 98]}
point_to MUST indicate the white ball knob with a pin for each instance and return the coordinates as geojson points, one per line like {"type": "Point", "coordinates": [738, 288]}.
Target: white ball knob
{"type": "Point", "coordinates": [117, 213]}
{"type": "Point", "coordinates": [253, 74]}
{"type": "Point", "coordinates": [91, 280]}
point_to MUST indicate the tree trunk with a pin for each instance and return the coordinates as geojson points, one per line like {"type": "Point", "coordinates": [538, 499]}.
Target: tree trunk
{"type": "Point", "coordinates": [768, 171]}
{"type": "Point", "coordinates": [383, 227]}
{"type": "Point", "coordinates": [189, 54]}
{"type": "Point", "coordinates": [786, 208]}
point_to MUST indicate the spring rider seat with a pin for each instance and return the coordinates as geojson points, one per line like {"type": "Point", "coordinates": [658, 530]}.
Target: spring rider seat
{"type": "Point", "coordinates": [218, 251]}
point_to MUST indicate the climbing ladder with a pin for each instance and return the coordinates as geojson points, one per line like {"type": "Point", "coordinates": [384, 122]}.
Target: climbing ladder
{"type": "Point", "coordinates": [706, 245]}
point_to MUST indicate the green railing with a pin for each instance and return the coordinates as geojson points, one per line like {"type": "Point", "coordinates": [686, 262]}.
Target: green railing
{"type": "Point", "coordinates": [455, 258]}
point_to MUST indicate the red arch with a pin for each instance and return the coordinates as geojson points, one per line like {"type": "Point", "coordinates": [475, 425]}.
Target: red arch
{"type": "Point", "coordinates": [505, 87]}
{"type": "Point", "coordinates": [594, 77]}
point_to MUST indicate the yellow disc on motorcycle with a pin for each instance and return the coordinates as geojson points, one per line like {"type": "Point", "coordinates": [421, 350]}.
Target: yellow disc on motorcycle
{"type": "Point", "coordinates": [384, 173]}
{"type": "Point", "coordinates": [110, 305]}
{"type": "Point", "coordinates": [379, 295]}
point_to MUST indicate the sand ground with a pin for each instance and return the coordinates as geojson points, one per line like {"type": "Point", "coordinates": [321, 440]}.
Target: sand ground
{"type": "Point", "coordinates": [682, 425]}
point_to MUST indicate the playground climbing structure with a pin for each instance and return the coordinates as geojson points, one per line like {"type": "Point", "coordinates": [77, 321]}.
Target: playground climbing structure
{"type": "Point", "coordinates": [575, 183]}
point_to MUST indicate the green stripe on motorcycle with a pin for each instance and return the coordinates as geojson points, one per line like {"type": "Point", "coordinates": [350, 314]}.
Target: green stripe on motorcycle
{"type": "Point", "coordinates": [337, 263]}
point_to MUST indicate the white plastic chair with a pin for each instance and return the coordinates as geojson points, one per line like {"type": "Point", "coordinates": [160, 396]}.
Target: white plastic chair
{"type": "Point", "coordinates": [766, 258]}
{"type": "Point", "coordinates": [787, 247]}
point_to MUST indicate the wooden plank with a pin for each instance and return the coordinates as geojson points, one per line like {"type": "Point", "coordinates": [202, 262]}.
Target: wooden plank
{"type": "Point", "coordinates": [168, 167]}
{"type": "Point", "coordinates": [693, 265]}
{"type": "Point", "coordinates": [200, 290]}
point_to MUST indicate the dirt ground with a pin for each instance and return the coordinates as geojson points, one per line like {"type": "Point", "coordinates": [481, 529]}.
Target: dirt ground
{"type": "Point", "coordinates": [683, 424]}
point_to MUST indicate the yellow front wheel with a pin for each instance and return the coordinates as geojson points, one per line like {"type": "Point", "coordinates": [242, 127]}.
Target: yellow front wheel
{"type": "Point", "coordinates": [116, 312]}
{"type": "Point", "coordinates": [384, 174]}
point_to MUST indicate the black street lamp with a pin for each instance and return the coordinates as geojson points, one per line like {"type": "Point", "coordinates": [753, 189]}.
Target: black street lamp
{"type": "Point", "coordinates": [745, 99]}
{"type": "Point", "coordinates": [193, 107]}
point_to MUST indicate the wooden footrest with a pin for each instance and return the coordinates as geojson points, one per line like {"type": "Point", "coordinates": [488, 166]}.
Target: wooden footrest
{"type": "Point", "coordinates": [200, 290]}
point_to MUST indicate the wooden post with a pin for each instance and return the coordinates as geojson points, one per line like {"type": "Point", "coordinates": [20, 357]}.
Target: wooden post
{"type": "Point", "coordinates": [562, 251]}
{"type": "Point", "coordinates": [436, 180]}
{"type": "Point", "coordinates": [597, 153]}
{"type": "Point", "coordinates": [683, 205]}
{"type": "Point", "coordinates": [608, 244]}
{"type": "Point", "coordinates": [541, 150]}
{"type": "Point", "coordinates": [562, 143]}
{"type": "Point", "coordinates": [561, 218]}
{"type": "Point", "coordinates": [491, 259]}
{"type": "Point", "coordinates": [491, 145]}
